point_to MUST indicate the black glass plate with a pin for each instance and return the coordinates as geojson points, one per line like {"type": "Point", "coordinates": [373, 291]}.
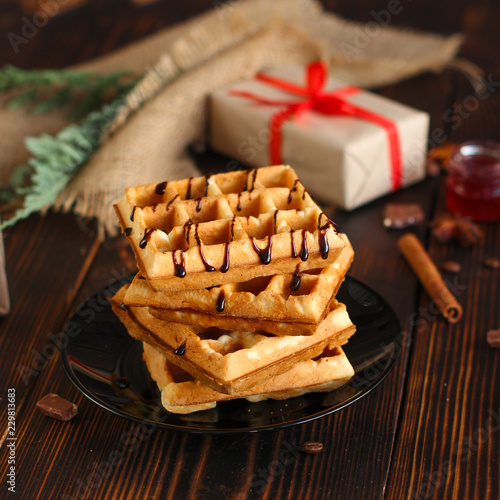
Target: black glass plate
{"type": "Point", "coordinates": [106, 365]}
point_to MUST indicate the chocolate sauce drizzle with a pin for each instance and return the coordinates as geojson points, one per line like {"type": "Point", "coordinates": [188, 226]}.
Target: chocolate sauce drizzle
{"type": "Point", "coordinates": [127, 231]}
{"type": "Point", "coordinates": [154, 207]}
{"type": "Point", "coordinates": [221, 301]}
{"type": "Point", "coordinates": [239, 203]}
{"type": "Point", "coordinates": [132, 214]}
{"type": "Point", "coordinates": [180, 266]}
{"type": "Point", "coordinates": [323, 242]}
{"type": "Point", "coordinates": [294, 251]}
{"type": "Point", "coordinates": [322, 238]}
{"type": "Point", "coordinates": [161, 187]}
{"type": "Point", "coordinates": [206, 184]}
{"type": "Point", "coordinates": [294, 188]}
{"type": "Point", "coordinates": [180, 351]}
{"type": "Point", "coordinates": [295, 283]}
{"type": "Point", "coordinates": [198, 204]}
{"type": "Point", "coordinates": [274, 219]}
{"type": "Point", "coordinates": [304, 254]}
{"type": "Point", "coordinates": [172, 200]}
{"type": "Point", "coordinates": [264, 253]}
{"type": "Point", "coordinates": [187, 227]}
{"type": "Point", "coordinates": [146, 238]}
{"type": "Point", "coordinates": [254, 176]}
{"type": "Point", "coordinates": [245, 187]}
{"type": "Point", "coordinates": [335, 226]}
{"type": "Point", "coordinates": [123, 306]}
{"type": "Point", "coordinates": [188, 194]}
{"type": "Point", "coordinates": [225, 264]}
{"type": "Point", "coordinates": [231, 229]}
{"type": "Point", "coordinates": [319, 219]}
{"type": "Point", "coordinates": [208, 267]}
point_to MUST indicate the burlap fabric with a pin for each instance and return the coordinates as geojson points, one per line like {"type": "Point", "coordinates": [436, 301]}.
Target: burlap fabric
{"type": "Point", "coordinates": [181, 65]}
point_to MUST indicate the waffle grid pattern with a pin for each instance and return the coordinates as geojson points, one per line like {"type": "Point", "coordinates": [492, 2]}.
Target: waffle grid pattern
{"type": "Point", "coordinates": [225, 228]}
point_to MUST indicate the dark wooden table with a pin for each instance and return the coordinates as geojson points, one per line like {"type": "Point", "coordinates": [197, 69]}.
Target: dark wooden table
{"type": "Point", "coordinates": [430, 430]}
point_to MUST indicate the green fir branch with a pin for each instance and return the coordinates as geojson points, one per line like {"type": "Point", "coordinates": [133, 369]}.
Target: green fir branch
{"type": "Point", "coordinates": [55, 159]}
{"type": "Point", "coordinates": [49, 89]}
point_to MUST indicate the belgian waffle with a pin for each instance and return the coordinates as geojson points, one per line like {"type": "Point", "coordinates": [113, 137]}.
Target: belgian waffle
{"type": "Point", "coordinates": [268, 303]}
{"type": "Point", "coordinates": [180, 393]}
{"type": "Point", "coordinates": [226, 228]}
{"type": "Point", "coordinates": [231, 361]}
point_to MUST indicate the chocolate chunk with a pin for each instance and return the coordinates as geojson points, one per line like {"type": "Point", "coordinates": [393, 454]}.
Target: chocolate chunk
{"type": "Point", "coordinates": [312, 447]}
{"type": "Point", "coordinates": [401, 215]}
{"type": "Point", "coordinates": [493, 338]}
{"type": "Point", "coordinates": [451, 266]}
{"type": "Point", "coordinates": [54, 406]}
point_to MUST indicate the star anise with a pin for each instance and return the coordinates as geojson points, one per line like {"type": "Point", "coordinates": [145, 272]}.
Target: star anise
{"type": "Point", "coordinates": [438, 158]}
{"type": "Point", "coordinates": [449, 227]}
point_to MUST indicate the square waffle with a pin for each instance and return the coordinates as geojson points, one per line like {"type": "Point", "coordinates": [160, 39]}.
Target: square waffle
{"type": "Point", "coordinates": [180, 393]}
{"type": "Point", "coordinates": [270, 303]}
{"type": "Point", "coordinates": [230, 361]}
{"type": "Point", "coordinates": [226, 228]}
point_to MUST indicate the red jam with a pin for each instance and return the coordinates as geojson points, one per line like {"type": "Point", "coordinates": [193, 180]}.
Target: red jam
{"type": "Point", "coordinates": [473, 185]}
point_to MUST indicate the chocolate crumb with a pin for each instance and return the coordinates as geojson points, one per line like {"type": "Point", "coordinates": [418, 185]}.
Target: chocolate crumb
{"type": "Point", "coordinates": [492, 263]}
{"type": "Point", "coordinates": [312, 447]}
{"type": "Point", "coordinates": [180, 351]}
{"type": "Point", "coordinates": [451, 266]}
{"type": "Point", "coordinates": [493, 338]}
{"type": "Point", "coordinates": [56, 407]}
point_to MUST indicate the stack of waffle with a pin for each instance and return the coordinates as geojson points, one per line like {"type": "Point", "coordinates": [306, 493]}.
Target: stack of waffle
{"type": "Point", "coordinates": [235, 295]}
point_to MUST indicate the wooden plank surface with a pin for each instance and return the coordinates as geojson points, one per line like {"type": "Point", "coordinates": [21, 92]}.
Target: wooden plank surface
{"type": "Point", "coordinates": [394, 443]}
{"type": "Point", "coordinates": [42, 288]}
{"type": "Point", "coordinates": [449, 433]}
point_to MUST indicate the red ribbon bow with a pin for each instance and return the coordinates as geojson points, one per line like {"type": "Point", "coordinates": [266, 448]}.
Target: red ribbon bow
{"type": "Point", "coordinates": [327, 103]}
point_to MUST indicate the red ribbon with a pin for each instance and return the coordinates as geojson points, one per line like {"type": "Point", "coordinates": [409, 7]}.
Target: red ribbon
{"type": "Point", "coordinates": [326, 103]}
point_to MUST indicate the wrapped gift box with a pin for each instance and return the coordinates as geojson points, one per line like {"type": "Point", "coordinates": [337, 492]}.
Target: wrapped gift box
{"type": "Point", "coordinates": [343, 160]}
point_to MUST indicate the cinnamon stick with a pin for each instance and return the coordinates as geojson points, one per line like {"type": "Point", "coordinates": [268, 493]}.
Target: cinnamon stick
{"type": "Point", "coordinates": [430, 277]}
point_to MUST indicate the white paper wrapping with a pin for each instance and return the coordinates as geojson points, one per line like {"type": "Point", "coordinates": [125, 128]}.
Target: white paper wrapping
{"type": "Point", "coordinates": [342, 160]}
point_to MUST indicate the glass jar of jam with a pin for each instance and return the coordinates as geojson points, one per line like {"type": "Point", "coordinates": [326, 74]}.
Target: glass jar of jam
{"type": "Point", "coordinates": [473, 184]}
